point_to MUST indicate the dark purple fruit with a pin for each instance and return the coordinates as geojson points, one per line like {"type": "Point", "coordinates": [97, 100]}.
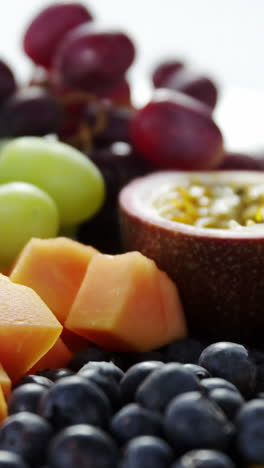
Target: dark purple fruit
{"type": "Point", "coordinates": [49, 27]}
{"type": "Point", "coordinates": [219, 272]}
{"type": "Point", "coordinates": [204, 459]}
{"type": "Point", "coordinates": [193, 422]}
{"type": "Point", "coordinates": [250, 428]}
{"type": "Point", "coordinates": [164, 70]}
{"type": "Point", "coordinates": [146, 451]}
{"type": "Point", "coordinates": [30, 111]}
{"type": "Point", "coordinates": [85, 445]}
{"type": "Point", "coordinates": [74, 400]}
{"type": "Point", "coordinates": [241, 162]}
{"type": "Point", "coordinates": [133, 421]}
{"type": "Point", "coordinates": [241, 369]}
{"type": "Point", "coordinates": [175, 131]}
{"type": "Point", "coordinates": [7, 81]}
{"type": "Point", "coordinates": [93, 60]}
{"type": "Point", "coordinates": [27, 435]}
{"type": "Point", "coordinates": [11, 460]}
{"type": "Point", "coordinates": [163, 384]}
{"type": "Point", "coordinates": [194, 84]}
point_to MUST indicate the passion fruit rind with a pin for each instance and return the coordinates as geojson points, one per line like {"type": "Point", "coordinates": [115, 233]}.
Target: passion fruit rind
{"type": "Point", "coordinates": [219, 272]}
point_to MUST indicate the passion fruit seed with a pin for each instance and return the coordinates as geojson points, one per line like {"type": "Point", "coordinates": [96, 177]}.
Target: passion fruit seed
{"type": "Point", "coordinates": [221, 206]}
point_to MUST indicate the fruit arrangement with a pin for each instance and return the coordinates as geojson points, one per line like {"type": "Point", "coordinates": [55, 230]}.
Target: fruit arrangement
{"type": "Point", "coordinates": [130, 303]}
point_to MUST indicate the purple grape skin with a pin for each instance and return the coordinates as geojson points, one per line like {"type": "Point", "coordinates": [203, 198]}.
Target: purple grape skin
{"type": "Point", "coordinates": [176, 131]}
{"type": "Point", "coordinates": [119, 164]}
{"type": "Point", "coordinates": [48, 28]}
{"type": "Point", "coordinates": [93, 60]}
{"type": "Point", "coordinates": [194, 84]}
{"type": "Point", "coordinates": [242, 162]}
{"type": "Point", "coordinates": [164, 70]}
{"type": "Point", "coordinates": [7, 81]}
{"type": "Point", "coordinates": [115, 122]}
{"type": "Point", "coordinates": [30, 111]}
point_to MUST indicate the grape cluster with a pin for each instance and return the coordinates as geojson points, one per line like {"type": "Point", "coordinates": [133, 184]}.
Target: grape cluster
{"type": "Point", "coordinates": [79, 92]}
{"type": "Point", "coordinates": [185, 409]}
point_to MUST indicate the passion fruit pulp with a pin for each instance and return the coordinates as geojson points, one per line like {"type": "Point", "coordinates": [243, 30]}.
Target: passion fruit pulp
{"type": "Point", "coordinates": [219, 272]}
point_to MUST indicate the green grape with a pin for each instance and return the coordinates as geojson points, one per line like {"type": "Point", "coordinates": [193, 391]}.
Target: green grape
{"type": "Point", "coordinates": [68, 176]}
{"type": "Point", "coordinates": [25, 211]}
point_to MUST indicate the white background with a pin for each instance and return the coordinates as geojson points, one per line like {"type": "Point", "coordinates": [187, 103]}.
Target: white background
{"type": "Point", "coordinates": [222, 37]}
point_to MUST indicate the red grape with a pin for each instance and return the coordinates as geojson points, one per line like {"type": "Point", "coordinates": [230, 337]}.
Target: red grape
{"type": "Point", "coordinates": [163, 71]}
{"type": "Point", "coordinates": [119, 164]}
{"type": "Point", "coordinates": [198, 86]}
{"type": "Point", "coordinates": [120, 95]}
{"type": "Point", "coordinates": [111, 123]}
{"type": "Point", "coordinates": [175, 131]}
{"type": "Point", "coordinates": [30, 111]}
{"type": "Point", "coordinates": [93, 60]}
{"type": "Point", "coordinates": [7, 81]}
{"type": "Point", "coordinates": [242, 162]}
{"type": "Point", "coordinates": [47, 29]}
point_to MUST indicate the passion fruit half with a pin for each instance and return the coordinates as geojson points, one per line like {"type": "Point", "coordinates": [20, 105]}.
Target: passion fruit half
{"type": "Point", "coordinates": [217, 264]}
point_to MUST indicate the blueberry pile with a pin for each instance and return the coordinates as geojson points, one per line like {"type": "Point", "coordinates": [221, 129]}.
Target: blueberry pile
{"type": "Point", "coordinates": [189, 405]}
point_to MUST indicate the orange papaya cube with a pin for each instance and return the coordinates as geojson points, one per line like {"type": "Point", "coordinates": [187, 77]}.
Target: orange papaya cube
{"type": "Point", "coordinates": [3, 406]}
{"type": "Point", "coordinates": [122, 304]}
{"type": "Point", "coordinates": [5, 382]}
{"type": "Point", "coordinates": [54, 268]}
{"type": "Point", "coordinates": [58, 356]}
{"type": "Point", "coordinates": [28, 329]}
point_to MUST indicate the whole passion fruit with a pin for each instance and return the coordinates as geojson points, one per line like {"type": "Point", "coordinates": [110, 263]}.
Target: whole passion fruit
{"type": "Point", "coordinates": [206, 230]}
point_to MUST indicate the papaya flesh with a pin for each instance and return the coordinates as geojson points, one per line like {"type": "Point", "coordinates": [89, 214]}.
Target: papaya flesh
{"type": "Point", "coordinates": [3, 406]}
{"type": "Point", "coordinates": [54, 268]}
{"type": "Point", "coordinates": [5, 382]}
{"type": "Point", "coordinates": [28, 329]}
{"type": "Point", "coordinates": [125, 303]}
{"type": "Point", "coordinates": [58, 356]}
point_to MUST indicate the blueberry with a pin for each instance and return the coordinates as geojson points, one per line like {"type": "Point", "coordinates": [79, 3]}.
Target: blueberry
{"type": "Point", "coordinates": [250, 432]}
{"type": "Point", "coordinates": [105, 380]}
{"type": "Point", "coordinates": [133, 420]}
{"type": "Point", "coordinates": [74, 400]}
{"type": "Point", "coordinates": [199, 371]}
{"type": "Point", "coordinates": [147, 356]}
{"type": "Point", "coordinates": [92, 353]}
{"type": "Point", "coordinates": [215, 382]}
{"type": "Point", "coordinates": [11, 460]}
{"type": "Point", "coordinates": [232, 362]}
{"type": "Point", "coordinates": [26, 434]}
{"type": "Point", "coordinates": [134, 377]}
{"type": "Point", "coordinates": [192, 422]}
{"type": "Point", "coordinates": [184, 351]}
{"type": "Point", "coordinates": [147, 452]}
{"type": "Point", "coordinates": [26, 398]}
{"type": "Point", "coordinates": [204, 459]}
{"type": "Point", "coordinates": [55, 374]}
{"type": "Point", "coordinates": [230, 402]}
{"type": "Point", "coordinates": [258, 357]}
{"type": "Point", "coordinates": [108, 369]}
{"type": "Point", "coordinates": [36, 379]}
{"type": "Point", "coordinates": [162, 385]}
{"type": "Point", "coordinates": [82, 446]}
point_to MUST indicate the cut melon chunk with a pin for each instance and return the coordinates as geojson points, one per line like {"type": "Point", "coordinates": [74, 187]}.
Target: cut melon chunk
{"type": "Point", "coordinates": [5, 382]}
{"type": "Point", "coordinates": [126, 303]}
{"type": "Point", "coordinates": [28, 329]}
{"type": "Point", "coordinates": [3, 406]}
{"type": "Point", "coordinates": [58, 356]}
{"type": "Point", "coordinates": [54, 268]}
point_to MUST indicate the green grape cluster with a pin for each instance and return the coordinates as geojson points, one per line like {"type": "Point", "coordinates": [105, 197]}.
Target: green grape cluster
{"type": "Point", "coordinates": [45, 186]}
